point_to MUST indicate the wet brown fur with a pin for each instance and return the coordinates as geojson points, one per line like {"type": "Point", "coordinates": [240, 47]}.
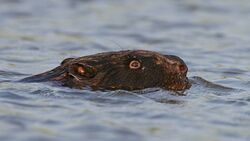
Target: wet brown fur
{"type": "Point", "coordinates": [110, 71]}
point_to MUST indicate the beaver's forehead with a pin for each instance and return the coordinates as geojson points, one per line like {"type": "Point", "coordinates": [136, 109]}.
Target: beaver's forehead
{"type": "Point", "coordinates": [109, 56]}
{"type": "Point", "coordinates": [145, 53]}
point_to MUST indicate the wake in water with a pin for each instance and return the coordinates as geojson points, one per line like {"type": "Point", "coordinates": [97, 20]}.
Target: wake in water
{"type": "Point", "coordinates": [200, 86]}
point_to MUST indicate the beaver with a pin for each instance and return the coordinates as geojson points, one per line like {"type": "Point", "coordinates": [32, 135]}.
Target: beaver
{"type": "Point", "coordinates": [125, 70]}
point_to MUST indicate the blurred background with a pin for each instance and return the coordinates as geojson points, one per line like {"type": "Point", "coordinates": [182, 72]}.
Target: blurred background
{"type": "Point", "coordinates": [212, 36]}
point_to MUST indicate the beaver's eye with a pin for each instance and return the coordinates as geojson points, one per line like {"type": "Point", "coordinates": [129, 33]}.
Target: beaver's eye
{"type": "Point", "coordinates": [82, 70]}
{"type": "Point", "coordinates": [135, 64]}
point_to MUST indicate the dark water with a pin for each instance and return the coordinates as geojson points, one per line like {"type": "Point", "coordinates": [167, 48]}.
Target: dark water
{"type": "Point", "coordinates": [213, 37]}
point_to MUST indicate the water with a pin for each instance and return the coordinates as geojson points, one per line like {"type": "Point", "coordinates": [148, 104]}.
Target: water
{"type": "Point", "coordinates": [213, 37]}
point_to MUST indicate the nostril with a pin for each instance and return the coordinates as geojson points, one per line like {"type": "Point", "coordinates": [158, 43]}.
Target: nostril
{"type": "Point", "coordinates": [182, 68]}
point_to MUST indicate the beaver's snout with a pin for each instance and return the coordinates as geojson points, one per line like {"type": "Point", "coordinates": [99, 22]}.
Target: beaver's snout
{"type": "Point", "coordinates": [181, 68]}
{"type": "Point", "coordinates": [176, 74]}
{"type": "Point", "coordinates": [178, 64]}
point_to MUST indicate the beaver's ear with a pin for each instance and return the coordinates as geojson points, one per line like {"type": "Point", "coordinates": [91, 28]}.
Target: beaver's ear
{"type": "Point", "coordinates": [66, 60]}
{"type": "Point", "coordinates": [81, 70]}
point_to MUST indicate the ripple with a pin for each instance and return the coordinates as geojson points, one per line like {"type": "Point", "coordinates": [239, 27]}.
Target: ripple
{"type": "Point", "coordinates": [11, 95]}
{"type": "Point", "coordinates": [229, 102]}
{"type": "Point", "coordinates": [96, 131]}
{"type": "Point", "coordinates": [18, 122]}
{"type": "Point", "coordinates": [199, 83]}
{"type": "Point", "coordinates": [207, 35]}
{"type": "Point", "coordinates": [10, 73]}
{"type": "Point", "coordinates": [32, 106]}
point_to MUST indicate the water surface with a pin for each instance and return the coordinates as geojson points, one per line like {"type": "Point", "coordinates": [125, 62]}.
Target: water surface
{"type": "Point", "coordinates": [213, 37]}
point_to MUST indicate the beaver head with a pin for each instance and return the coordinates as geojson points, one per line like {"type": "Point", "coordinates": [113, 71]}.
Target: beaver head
{"type": "Point", "coordinates": [127, 70]}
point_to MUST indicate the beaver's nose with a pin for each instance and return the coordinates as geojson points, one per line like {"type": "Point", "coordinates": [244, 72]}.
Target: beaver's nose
{"type": "Point", "coordinates": [178, 63]}
{"type": "Point", "coordinates": [181, 68]}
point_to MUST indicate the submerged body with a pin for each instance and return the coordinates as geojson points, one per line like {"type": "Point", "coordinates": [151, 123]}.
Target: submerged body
{"type": "Point", "coordinates": [127, 70]}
